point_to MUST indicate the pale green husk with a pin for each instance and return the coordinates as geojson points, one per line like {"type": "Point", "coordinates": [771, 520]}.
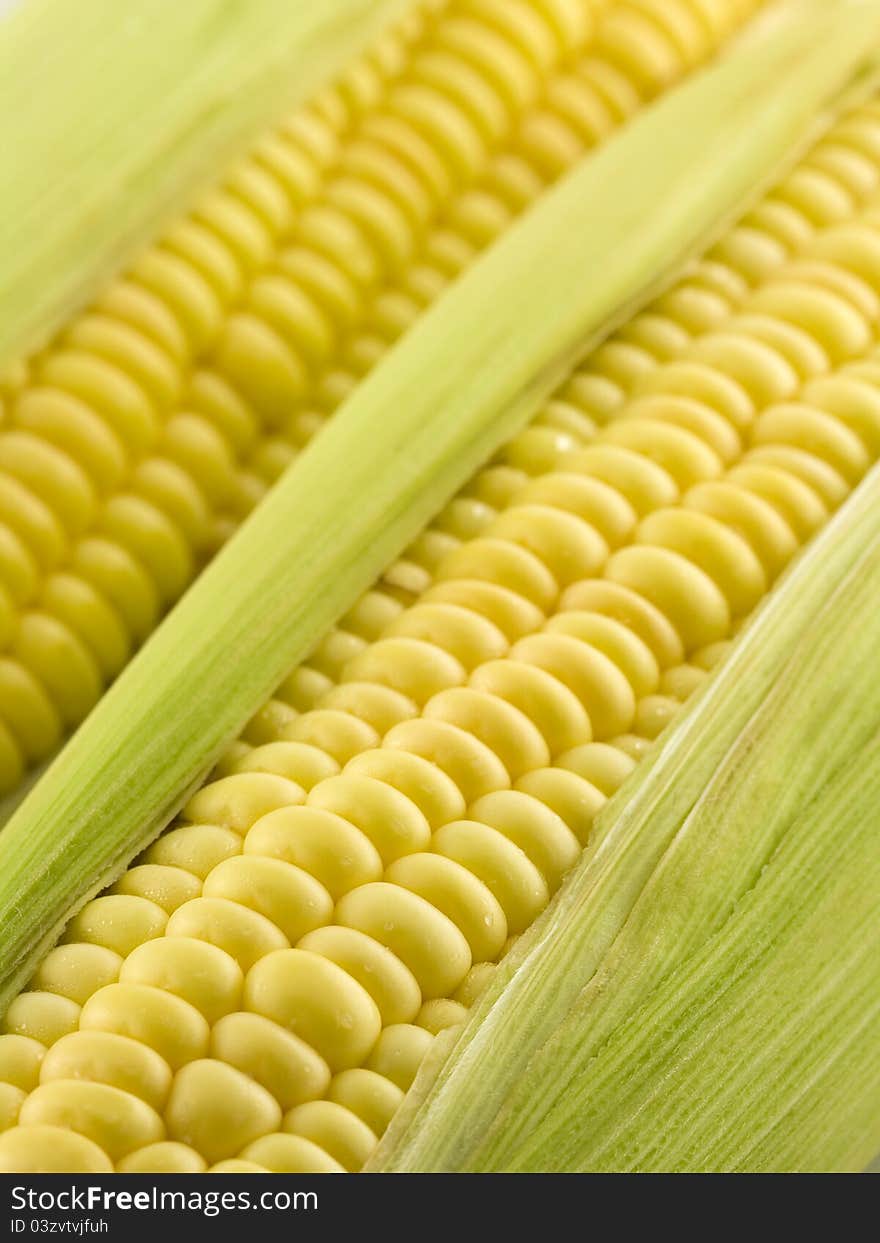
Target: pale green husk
{"type": "Point", "coordinates": [465, 379]}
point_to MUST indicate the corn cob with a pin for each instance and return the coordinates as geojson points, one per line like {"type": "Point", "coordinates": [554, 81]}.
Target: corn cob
{"type": "Point", "coordinates": [703, 994]}
{"type": "Point", "coordinates": [509, 701]}
{"type": "Point", "coordinates": [135, 442]}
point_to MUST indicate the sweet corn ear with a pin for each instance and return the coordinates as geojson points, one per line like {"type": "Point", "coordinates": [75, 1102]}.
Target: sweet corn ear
{"type": "Point", "coordinates": [375, 855]}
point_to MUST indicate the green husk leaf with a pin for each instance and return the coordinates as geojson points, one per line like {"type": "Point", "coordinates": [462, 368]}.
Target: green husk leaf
{"type": "Point", "coordinates": [116, 111]}
{"type": "Point", "coordinates": [704, 993]}
{"type": "Point", "coordinates": [467, 377]}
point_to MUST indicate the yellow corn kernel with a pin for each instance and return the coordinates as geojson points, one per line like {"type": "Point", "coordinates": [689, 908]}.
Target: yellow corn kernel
{"type": "Point", "coordinates": [165, 1157]}
{"type": "Point", "coordinates": [20, 1059]}
{"type": "Point", "coordinates": [50, 1150]}
{"type": "Point", "coordinates": [316, 1000]}
{"type": "Point", "coordinates": [113, 1119]}
{"type": "Point", "coordinates": [291, 1154]}
{"type": "Point", "coordinates": [105, 1057]}
{"type": "Point", "coordinates": [217, 1110]}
